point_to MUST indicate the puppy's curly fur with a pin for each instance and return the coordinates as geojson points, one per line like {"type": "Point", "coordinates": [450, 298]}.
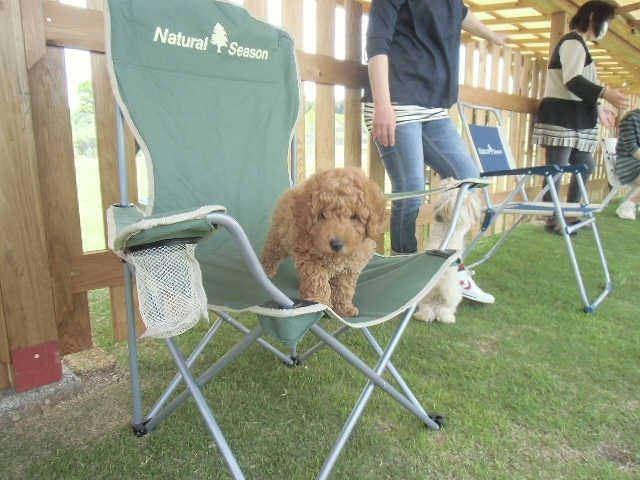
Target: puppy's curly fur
{"type": "Point", "coordinates": [328, 224]}
{"type": "Point", "coordinates": [441, 302]}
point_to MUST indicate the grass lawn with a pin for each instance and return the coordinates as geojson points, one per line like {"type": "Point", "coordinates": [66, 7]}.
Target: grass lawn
{"type": "Point", "coordinates": [531, 388]}
{"type": "Point", "coordinates": [91, 211]}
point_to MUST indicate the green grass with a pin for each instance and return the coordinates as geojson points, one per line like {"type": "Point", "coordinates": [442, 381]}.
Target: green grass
{"type": "Point", "coordinates": [531, 388]}
{"type": "Point", "coordinates": [91, 211]}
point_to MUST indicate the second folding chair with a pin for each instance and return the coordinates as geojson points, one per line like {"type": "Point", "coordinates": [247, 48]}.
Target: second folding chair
{"type": "Point", "coordinates": [483, 128]}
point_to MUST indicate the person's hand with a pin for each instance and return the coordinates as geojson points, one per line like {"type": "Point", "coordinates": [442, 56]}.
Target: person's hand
{"type": "Point", "coordinates": [383, 127]}
{"type": "Point", "coordinates": [617, 97]}
{"type": "Point", "coordinates": [607, 115]}
{"type": "Point", "coordinates": [500, 38]}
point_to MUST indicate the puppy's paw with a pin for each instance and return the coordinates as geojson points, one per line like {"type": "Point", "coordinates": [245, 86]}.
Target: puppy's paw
{"type": "Point", "coordinates": [270, 268]}
{"type": "Point", "coordinates": [348, 311]}
{"type": "Point", "coordinates": [425, 313]}
{"type": "Point", "coordinates": [446, 316]}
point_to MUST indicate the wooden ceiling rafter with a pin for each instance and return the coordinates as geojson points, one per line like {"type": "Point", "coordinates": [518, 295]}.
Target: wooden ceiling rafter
{"type": "Point", "coordinates": [526, 21]}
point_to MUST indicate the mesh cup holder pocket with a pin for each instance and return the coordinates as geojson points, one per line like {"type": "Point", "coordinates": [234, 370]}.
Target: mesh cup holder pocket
{"type": "Point", "coordinates": [170, 293]}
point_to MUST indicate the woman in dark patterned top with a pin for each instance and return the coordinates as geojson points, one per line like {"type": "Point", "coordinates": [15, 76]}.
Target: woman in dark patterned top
{"type": "Point", "coordinates": [567, 121]}
{"type": "Point", "coordinates": [628, 161]}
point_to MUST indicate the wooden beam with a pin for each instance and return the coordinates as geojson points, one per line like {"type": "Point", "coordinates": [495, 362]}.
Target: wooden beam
{"type": "Point", "coordinates": [627, 8]}
{"type": "Point", "coordinates": [97, 269]}
{"type": "Point", "coordinates": [490, 7]}
{"type": "Point", "coordinates": [327, 70]}
{"type": "Point", "coordinates": [499, 100]}
{"type": "Point", "coordinates": [73, 27]}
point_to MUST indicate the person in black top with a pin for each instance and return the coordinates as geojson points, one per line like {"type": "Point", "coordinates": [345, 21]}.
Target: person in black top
{"type": "Point", "coordinates": [413, 50]}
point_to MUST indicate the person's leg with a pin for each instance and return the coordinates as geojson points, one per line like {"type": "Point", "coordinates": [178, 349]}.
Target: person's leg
{"type": "Point", "coordinates": [577, 157]}
{"type": "Point", "coordinates": [627, 209]}
{"type": "Point", "coordinates": [446, 153]}
{"type": "Point", "coordinates": [556, 156]}
{"type": "Point", "coordinates": [405, 166]}
{"type": "Point", "coordinates": [635, 198]}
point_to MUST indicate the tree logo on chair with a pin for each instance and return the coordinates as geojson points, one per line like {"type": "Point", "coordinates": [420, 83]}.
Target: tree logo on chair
{"type": "Point", "coordinates": [219, 37]}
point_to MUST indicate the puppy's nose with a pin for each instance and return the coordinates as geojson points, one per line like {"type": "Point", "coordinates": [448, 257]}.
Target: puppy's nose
{"type": "Point", "coordinates": [336, 244]}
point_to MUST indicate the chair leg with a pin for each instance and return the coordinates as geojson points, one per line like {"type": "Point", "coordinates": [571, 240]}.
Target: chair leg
{"type": "Point", "coordinates": [132, 339]}
{"type": "Point", "coordinates": [206, 377]}
{"type": "Point", "coordinates": [608, 285]}
{"type": "Point", "coordinates": [217, 434]}
{"type": "Point", "coordinates": [375, 380]}
{"type": "Point", "coordinates": [566, 233]}
{"type": "Point", "coordinates": [493, 249]}
{"type": "Point", "coordinates": [303, 358]}
{"type": "Point", "coordinates": [190, 361]}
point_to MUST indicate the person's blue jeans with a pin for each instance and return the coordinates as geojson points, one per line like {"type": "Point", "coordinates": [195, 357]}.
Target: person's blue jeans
{"type": "Point", "coordinates": [436, 144]}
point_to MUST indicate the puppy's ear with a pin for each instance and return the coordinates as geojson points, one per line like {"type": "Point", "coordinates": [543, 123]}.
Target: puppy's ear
{"type": "Point", "coordinates": [377, 204]}
{"type": "Point", "coordinates": [446, 203]}
{"type": "Point", "coordinates": [302, 208]}
{"type": "Point", "coordinates": [473, 205]}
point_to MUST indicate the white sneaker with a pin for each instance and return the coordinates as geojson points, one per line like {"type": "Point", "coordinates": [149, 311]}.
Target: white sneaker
{"type": "Point", "coordinates": [627, 210]}
{"type": "Point", "coordinates": [472, 291]}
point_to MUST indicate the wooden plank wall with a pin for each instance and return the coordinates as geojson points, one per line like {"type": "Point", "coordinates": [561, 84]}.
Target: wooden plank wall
{"type": "Point", "coordinates": [40, 240]}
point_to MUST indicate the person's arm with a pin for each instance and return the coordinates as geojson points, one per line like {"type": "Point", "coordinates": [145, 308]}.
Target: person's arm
{"type": "Point", "coordinates": [473, 25]}
{"type": "Point", "coordinates": [382, 21]}
{"type": "Point", "coordinates": [572, 58]}
{"type": "Point", "coordinates": [384, 117]}
{"type": "Point", "coordinates": [629, 133]}
{"type": "Point", "coordinates": [616, 96]}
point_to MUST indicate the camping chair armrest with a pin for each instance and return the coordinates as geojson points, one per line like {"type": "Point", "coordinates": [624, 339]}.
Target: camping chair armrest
{"type": "Point", "coordinates": [128, 227]}
{"type": "Point", "coordinates": [251, 259]}
{"type": "Point", "coordinates": [471, 182]}
{"type": "Point", "coordinates": [543, 170]}
{"type": "Point", "coordinates": [579, 167]}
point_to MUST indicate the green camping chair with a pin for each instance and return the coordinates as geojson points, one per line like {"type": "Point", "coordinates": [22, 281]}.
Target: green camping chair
{"type": "Point", "coordinates": [212, 96]}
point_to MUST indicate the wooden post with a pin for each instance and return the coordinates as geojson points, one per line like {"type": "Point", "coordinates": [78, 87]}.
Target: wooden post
{"type": "Point", "coordinates": [25, 278]}
{"type": "Point", "coordinates": [292, 17]}
{"type": "Point", "coordinates": [325, 97]}
{"type": "Point", "coordinates": [559, 26]}
{"type": "Point", "coordinates": [352, 106]}
{"type": "Point", "coordinates": [57, 180]}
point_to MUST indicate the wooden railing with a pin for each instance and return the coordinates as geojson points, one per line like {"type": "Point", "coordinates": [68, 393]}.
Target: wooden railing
{"type": "Point", "coordinates": [45, 273]}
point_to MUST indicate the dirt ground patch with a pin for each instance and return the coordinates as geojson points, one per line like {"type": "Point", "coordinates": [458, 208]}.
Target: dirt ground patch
{"type": "Point", "coordinates": [96, 369]}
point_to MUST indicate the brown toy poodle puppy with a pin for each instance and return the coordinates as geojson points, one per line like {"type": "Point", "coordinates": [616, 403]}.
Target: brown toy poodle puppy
{"type": "Point", "coordinates": [328, 224]}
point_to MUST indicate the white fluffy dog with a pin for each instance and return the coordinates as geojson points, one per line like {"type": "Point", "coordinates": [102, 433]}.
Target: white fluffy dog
{"type": "Point", "coordinates": [441, 302]}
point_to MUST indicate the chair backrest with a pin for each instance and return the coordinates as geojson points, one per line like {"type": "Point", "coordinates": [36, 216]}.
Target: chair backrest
{"type": "Point", "coordinates": [489, 148]}
{"type": "Point", "coordinates": [212, 95]}
{"type": "Point", "coordinates": [609, 149]}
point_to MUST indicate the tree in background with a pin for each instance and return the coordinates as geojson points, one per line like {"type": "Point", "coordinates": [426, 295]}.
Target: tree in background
{"type": "Point", "coordinates": [83, 122]}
